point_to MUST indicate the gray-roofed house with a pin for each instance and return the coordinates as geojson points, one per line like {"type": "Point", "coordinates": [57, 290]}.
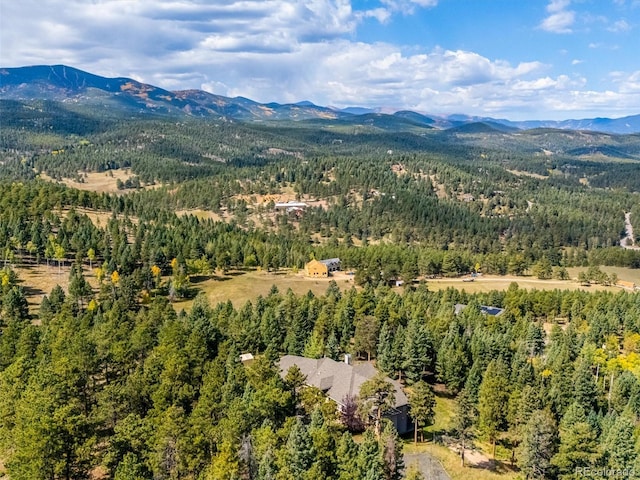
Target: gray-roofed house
{"type": "Point", "coordinates": [289, 205]}
{"type": "Point", "coordinates": [486, 309]}
{"type": "Point", "coordinates": [333, 264]}
{"type": "Point", "coordinates": [339, 379]}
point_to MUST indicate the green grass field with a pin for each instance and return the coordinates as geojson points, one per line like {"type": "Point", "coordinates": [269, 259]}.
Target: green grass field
{"type": "Point", "coordinates": [486, 283]}
{"type": "Point", "coordinates": [247, 285]}
{"type": "Point", "coordinates": [241, 286]}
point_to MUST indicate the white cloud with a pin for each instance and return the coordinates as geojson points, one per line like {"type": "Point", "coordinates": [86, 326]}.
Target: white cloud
{"type": "Point", "coordinates": [292, 50]}
{"type": "Point", "coordinates": [383, 15]}
{"type": "Point", "coordinates": [620, 26]}
{"type": "Point", "coordinates": [577, 61]}
{"type": "Point", "coordinates": [560, 22]}
{"type": "Point", "coordinates": [628, 83]}
{"type": "Point", "coordinates": [425, 3]}
{"type": "Point", "coordinates": [407, 7]}
{"type": "Point", "coordinates": [557, 5]}
{"type": "Point", "coordinates": [560, 19]}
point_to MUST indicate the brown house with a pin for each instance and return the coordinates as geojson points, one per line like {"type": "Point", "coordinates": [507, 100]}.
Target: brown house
{"type": "Point", "coordinates": [322, 268]}
{"type": "Point", "coordinates": [627, 285]}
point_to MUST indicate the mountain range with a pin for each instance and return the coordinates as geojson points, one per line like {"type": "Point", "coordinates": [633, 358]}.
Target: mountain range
{"type": "Point", "coordinates": [70, 85]}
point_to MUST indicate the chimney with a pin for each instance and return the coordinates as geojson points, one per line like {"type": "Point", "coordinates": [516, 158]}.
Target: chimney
{"type": "Point", "coordinates": [347, 358]}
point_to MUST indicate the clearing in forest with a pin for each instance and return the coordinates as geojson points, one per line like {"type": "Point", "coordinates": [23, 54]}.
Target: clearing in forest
{"type": "Point", "coordinates": [100, 182]}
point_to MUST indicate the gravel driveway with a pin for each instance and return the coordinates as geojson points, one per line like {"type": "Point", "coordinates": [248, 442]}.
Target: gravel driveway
{"type": "Point", "coordinates": [430, 467]}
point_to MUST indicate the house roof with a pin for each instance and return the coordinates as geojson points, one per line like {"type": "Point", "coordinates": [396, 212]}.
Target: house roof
{"type": "Point", "coordinates": [315, 262]}
{"type": "Point", "coordinates": [486, 309]}
{"type": "Point", "coordinates": [337, 379]}
{"type": "Point", "coordinates": [290, 204]}
{"type": "Point", "coordinates": [245, 357]}
{"type": "Point", "coordinates": [331, 261]}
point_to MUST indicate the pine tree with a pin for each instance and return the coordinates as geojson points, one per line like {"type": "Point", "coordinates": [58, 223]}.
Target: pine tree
{"type": "Point", "coordinates": [325, 464]}
{"type": "Point", "coordinates": [453, 359]}
{"type": "Point", "coordinates": [538, 446]}
{"type": "Point", "coordinates": [377, 396]}
{"type": "Point", "coordinates": [396, 351]}
{"type": "Point", "coordinates": [391, 448]}
{"type": "Point", "coordinates": [463, 420]}
{"type": "Point", "coordinates": [366, 335]}
{"type": "Point", "coordinates": [618, 443]}
{"type": "Point", "coordinates": [299, 450]}
{"type": "Point", "coordinates": [385, 361]}
{"type": "Point", "coordinates": [130, 468]}
{"type": "Point", "coordinates": [493, 397]}
{"type": "Point", "coordinates": [578, 443]}
{"type": "Point", "coordinates": [422, 403]}
{"type": "Point", "coordinates": [79, 288]}
{"type": "Point", "coordinates": [267, 469]}
{"type": "Point", "coordinates": [347, 458]}
{"type": "Point", "coordinates": [333, 347]}
{"type": "Point", "coordinates": [295, 380]}
{"type": "Point", "coordinates": [369, 462]}
{"type": "Point", "coordinates": [584, 386]}
{"type": "Point", "coordinates": [416, 354]}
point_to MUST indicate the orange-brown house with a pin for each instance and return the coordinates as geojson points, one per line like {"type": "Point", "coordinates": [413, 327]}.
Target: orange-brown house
{"type": "Point", "coordinates": [627, 285]}
{"type": "Point", "coordinates": [322, 268]}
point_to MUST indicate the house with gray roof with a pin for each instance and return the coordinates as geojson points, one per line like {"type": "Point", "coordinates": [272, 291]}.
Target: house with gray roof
{"type": "Point", "coordinates": [486, 309]}
{"type": "Point", "coordinates": [333, 264]}
{"type": "Point", "coordinates": [340, 379]}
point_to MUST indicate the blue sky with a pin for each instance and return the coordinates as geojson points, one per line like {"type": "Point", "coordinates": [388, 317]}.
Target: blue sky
{"type": "Point", "coordinates": [516, 59]}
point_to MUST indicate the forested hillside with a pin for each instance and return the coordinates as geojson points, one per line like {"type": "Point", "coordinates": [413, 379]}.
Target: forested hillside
{"type": "Point", "coordinates": [139, 392]}
{"type": "Point", "coordinates": [110, 379]}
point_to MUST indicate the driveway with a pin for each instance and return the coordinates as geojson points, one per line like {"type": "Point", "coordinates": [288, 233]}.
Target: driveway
{"type": "Point", "coordinates": [430, 467]}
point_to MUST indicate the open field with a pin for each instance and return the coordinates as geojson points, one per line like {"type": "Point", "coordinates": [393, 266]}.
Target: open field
{"type": "Point", "coordinates": [201, 214]}
{"type": "Point", "coordinates": [486, 283]}
{"type": "Point", "coordinates": [39, 280]}
{"type": "Point", "coordinates": [240, 286]}
{"type": "Point", "coordinates": [100, 182]}
{"type": "Point", "coordinates": [628, 274]}
{"type": "Point", "coordinates": [247, 285]}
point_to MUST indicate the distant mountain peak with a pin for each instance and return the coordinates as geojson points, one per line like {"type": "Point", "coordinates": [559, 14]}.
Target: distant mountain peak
{"type": "Point", "coordinates": [61, 82]}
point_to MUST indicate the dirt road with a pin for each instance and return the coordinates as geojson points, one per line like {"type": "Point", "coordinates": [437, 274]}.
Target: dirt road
{"type": "Point", "coordinates": [628, 241]}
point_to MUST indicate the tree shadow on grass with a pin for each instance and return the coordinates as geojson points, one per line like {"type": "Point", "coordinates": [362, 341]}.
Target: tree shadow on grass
{"type": "Point", "coordinates": [196, 279]}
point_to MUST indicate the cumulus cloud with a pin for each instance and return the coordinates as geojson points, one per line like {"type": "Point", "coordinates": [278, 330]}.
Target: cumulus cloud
{"type": "Point", "coordinates": [629, 84]}
{"type": "Point", "coordinates": [291, 50]}
{"type": "Point", "coordinates": [560, 18]}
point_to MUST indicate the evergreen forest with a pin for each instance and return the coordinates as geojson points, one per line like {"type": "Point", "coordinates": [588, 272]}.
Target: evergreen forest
{"type": "Point", "coordinates": [110, 378]}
